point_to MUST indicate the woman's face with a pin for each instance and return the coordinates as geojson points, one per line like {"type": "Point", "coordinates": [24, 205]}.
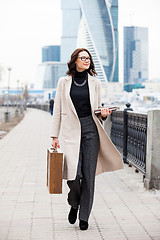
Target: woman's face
{"type": "Point", "coordinates": [83, 61]}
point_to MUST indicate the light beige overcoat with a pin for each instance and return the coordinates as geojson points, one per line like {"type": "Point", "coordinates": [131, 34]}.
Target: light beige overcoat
{"type": "Point", "coordinates": [65, 117]}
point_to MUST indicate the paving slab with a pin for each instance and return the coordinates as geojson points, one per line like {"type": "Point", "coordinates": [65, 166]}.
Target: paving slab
{"type": "Point", "coordinates": [122, 208]}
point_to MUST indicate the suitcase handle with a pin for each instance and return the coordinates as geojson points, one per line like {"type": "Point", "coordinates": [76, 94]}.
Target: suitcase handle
{"type": "Point", "coordinates": [54, 149]}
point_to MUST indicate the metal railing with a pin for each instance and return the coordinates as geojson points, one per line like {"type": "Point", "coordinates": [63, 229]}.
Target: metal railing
{"type": "Point", "coordinates": [129, 134]}
{"type": "Point", "coordinates": [44, 107]}
{"type": "Point", "coordinates": [136, 140]}
{"type": "Point", "coordinates": [117, 129]}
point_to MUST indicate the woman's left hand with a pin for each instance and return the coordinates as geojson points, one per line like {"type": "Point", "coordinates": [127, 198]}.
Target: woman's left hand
{"type": "Point", "coordinates": [105, 112]}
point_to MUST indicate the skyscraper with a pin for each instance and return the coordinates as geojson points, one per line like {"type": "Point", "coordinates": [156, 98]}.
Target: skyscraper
{"type": "Point", "coordinates": [71, 18]}
{"type": "Point", "coordinates": [98, 33]}
{"type": "Point", "coordinates": [135, 55]}
{"type": "Point", "coordinates": [93, 26]}
{"type": "Point", "coordinates": [51, 53]}
{"type": "Point", "coordinates": [114, 14]}
{"type": "Point", "coordinates": [51, 68]}
{"type": "Point", "coordinates": [48, 74]}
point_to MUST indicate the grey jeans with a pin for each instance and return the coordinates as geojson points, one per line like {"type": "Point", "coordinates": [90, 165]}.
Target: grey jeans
{"type": "Point", "coordinates": [82, 188]}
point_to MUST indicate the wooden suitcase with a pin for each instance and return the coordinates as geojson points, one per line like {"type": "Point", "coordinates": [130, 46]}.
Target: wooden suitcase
{"type": "Point", "coordinates": [54, 171]}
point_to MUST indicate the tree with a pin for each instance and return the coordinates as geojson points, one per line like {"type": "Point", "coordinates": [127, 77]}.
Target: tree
{"type": "Point", "coordinates": [26, 94]}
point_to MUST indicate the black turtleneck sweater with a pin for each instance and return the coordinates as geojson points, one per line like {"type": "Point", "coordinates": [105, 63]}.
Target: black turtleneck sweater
{"type": "Point", "coordinates": [80, 94]}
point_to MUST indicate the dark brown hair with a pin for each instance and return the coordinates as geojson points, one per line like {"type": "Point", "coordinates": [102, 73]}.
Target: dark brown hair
{"type": "Point", "coordinates": [72, 66]}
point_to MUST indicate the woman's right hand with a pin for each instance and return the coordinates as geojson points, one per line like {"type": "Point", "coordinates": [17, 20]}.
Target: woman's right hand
{"type": "Point", "coordinates": [55, 143]}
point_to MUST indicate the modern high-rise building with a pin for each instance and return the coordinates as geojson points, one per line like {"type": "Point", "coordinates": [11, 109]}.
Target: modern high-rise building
{"type": "Point", "coordinates": [51, 53]}
{"type": "Point", "coordinates": [114, 14]}
{"type": "Point", "coordinates": [135, 56]}
{"type": "Point", "coordinates": [51, 68]}
{"type": "Point", "coordinates": [93, 26]}
{"type": "Point", "coordinates": [48, 74]}
{"type": "Point", "coordinates": [71, 18]}
{"type": "Point", "coordinates": [98, 33]}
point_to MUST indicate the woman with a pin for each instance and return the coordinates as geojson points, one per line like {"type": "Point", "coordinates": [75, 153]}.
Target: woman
{"type": "Point", "coordinates": [84, 139]}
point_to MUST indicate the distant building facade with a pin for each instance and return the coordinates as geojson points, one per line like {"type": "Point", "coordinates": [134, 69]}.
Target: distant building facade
{"type": "Point", "coordinates": [135, 56]}
{"type": "Point", "coordinates": [114, 14]}
{"type": "Point", "coordinates": [51, 69]}
{"type": "Point", "coordinates": [98, 33]}
{"type": "Point", "coordinates": [93, 26]}
{"type": "Point", "coordinates": [51, 53]}
{"type": "Point", "coordinates": [49, 73]}
{"type": "Point", "coordinates": [71, 15]}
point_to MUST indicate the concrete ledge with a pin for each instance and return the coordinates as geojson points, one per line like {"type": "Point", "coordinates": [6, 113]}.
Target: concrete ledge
{"type": "Point", "coordinates": [150, 184]}
{"type": "Point", "coordinates": [153, 151]}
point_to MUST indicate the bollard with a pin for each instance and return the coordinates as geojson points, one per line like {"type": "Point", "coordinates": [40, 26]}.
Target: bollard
{"type": "Point", "coordinates": [25, 107]}
{"type": "Point", "coordinates": [125, 131]}
{"type": "Point", "coordinates": [21, 109]}
{"type": "Point", "coordinates": [7, 116]}
{"type": "Point", "coordinates": [16, 112]}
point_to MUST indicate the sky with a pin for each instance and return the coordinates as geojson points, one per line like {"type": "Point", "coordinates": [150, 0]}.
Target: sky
{"type": "Point", "coordinates": [28, 25]}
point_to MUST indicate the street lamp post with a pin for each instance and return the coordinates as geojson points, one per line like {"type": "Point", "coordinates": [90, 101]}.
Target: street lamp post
{"type": "Point", "coordinates": [21, 98]}
{"type": "Point", "coordinates": [7, 114]}
{"type": "Point", "coordinates": [17, 112]}
{"type": "Point", "coordinates": [17, 93]}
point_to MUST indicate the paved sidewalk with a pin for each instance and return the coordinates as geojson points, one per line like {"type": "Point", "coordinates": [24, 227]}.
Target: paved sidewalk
{"type": "Point", "coordinates": [122, 209]}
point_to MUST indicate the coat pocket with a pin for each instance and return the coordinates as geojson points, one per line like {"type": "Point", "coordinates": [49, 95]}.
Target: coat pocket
{"type": "Point", "coordinates": [63, 114]}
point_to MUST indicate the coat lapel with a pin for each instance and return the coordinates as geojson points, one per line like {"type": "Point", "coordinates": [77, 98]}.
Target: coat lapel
{"type": "Point", "coordinates": [67, 92]}
{"type": "Point", "coordinates": [91, 85]}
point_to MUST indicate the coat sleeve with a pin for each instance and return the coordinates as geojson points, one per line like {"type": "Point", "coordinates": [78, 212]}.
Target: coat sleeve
{"type": "Point", "coordinates": [56, 118]}
{"type": "Point", "coordinates": [99, 100]}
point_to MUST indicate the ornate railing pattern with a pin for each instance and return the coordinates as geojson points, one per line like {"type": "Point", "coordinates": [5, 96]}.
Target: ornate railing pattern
{"type": "Point", "coordinates": [136, 137]}
{"type": "Point", "coordinates": [136, 140]}
{"type": "Point", "coordinates": [117, 129]}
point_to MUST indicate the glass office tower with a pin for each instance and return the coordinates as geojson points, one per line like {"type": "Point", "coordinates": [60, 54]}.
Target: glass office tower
{"type": "Point", "coordinates": [92, 25]}
{"type": "Point", "coordinates": [135, 55]}
{"type": "Point", "coordinates": [71, 18]}
{"type": "Point", "coordinates": [114, 14]}
{"type": "Point", "coordinates": [51, 53]}
{"type": "Point", "coordinates": [98, 32]}
{"type": "Point", "coordinates": [48, 74]}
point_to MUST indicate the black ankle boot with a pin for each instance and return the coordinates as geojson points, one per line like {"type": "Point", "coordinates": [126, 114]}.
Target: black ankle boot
{"type": "Point", "coordinates": [72, 215]}
{"type": "Point", "coordinates": [83, 225]}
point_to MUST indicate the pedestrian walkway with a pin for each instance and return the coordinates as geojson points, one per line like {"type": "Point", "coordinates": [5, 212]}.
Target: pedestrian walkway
{"type": "Point", "coordinates": [122, 209]}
